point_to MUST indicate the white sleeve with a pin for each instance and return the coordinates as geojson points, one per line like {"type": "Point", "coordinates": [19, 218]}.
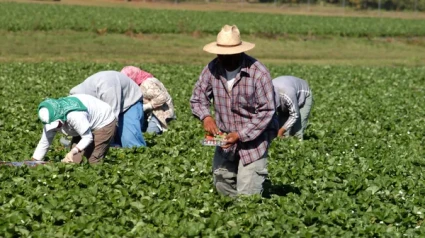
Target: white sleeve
{"type": "Point", "coordinates": [79, 121]}
{"type": "Point", "coordinates": [43, 144]}
{"type": "Point", "coordinates": [86, 140]}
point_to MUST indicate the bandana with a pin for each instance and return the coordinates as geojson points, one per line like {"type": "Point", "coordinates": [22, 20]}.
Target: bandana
{"type": "Point", "coordinates": [59, 108]}
{"type": "Point", "coordinates": [136, 74]}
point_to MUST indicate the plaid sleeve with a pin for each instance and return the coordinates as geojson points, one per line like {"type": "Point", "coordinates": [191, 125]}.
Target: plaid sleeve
{"type": "Point", "coordinates": [265, 98]}
{"type": "Point", "coordinates": [293, 109]}
{"type": "Point", "coordinates": [200, 100]}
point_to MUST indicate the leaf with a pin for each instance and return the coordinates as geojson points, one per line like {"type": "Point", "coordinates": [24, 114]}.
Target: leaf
{"type": "Point", "coordinates": [373, 189]}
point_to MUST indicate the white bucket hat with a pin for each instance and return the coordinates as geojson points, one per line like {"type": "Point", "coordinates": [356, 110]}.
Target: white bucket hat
{"type": "Point", "coordinates": [43, 114]}
{"type": "Point", "coordinates": [228, 42]}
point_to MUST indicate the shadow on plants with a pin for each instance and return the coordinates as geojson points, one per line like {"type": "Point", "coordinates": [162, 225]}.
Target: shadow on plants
{"type": "Point", "coordinates": [310, 136]}
{"type": "Point", "coordinates": [150, 143]}
{"type": "Point", "coordinates": [278, 189]}
{"type": "Point", "coordinates": [150, 139]}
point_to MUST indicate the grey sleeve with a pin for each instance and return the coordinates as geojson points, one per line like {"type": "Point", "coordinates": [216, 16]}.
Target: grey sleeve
{"type": "Point", "coordinates": [76, 90]}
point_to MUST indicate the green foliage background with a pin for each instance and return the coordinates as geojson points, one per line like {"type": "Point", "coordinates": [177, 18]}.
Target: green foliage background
{"type": "Point", "coordinates": [42, 17]}
{"type": "Point", "coordinates": [358, 173]}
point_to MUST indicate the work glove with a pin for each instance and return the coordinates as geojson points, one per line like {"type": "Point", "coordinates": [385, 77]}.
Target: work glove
{"type": "Point", "coordinates": [147, 107]}
{"type": "Point", "coordinates": [70, 156]}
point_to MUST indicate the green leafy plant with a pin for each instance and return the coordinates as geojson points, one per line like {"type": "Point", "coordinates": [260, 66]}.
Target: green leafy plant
{"type": "Point", "coordinates": [27, 16]}
{"type": "Point", "coordinates": [358, 173]}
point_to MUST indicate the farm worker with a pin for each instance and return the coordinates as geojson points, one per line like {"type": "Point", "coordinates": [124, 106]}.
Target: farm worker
{"type": "Point", "coordinates": [157, 102]}
{"type": "Point", "coordinates": [125, 98]}
{"type": "Point", "coordinates": [242, 91]}
{"type": "Point", "coordinates": [294, 103]}
{"type": "Point", "coordinates": [90, 122]}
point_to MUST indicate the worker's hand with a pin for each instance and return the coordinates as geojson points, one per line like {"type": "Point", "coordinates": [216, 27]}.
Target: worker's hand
{"type": "Point", "coordinates": [147, 107]}
{"type": "Point", "coordinates": [210, 126]}
{"type": "Point", "coordinates": [281, 132]}
{"type": "Point", "coordinates": [231, 139]}
{"type": "Point", "coordinates": [69, 158]}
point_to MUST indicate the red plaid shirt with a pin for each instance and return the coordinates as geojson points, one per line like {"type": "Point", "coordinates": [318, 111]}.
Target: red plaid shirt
{"type": "Point", "coordinates": [248, 109]}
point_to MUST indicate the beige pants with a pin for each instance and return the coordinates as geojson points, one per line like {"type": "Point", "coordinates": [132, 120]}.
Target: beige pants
{"type": "Point", "coordinates": [232, 178]}
{"type": "Point", "coordinates": [100, 145]}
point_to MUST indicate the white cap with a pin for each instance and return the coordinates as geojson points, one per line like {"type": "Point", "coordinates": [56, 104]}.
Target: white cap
{"type": "Point", "coordinates": [43, 113]}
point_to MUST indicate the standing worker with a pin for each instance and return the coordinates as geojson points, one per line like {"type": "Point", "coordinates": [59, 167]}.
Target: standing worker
{"type": "Point", "coordinates": [242, 91]}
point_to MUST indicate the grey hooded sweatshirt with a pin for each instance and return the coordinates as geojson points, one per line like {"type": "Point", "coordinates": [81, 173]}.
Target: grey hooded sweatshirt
{"type": "Point", "coordinates": [112, 87]}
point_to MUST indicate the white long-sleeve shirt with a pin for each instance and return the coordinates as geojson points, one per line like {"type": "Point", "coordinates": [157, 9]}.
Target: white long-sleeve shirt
{"type": "Point", "coordinates": [78, 123]}
{"type": "Point", "coordinates": [291, 93]}
{"type": "Point", "coordinates": [112, 87]}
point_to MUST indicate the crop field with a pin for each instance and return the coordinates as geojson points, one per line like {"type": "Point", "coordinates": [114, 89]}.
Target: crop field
{"type": "Point", "coordinates": [358, 173]}
{"type": "Point", "coordinates": [18, 17]}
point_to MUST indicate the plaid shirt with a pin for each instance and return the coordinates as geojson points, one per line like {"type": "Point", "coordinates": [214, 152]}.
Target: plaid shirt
{"type": "Point", "coordinates": [248, 108]}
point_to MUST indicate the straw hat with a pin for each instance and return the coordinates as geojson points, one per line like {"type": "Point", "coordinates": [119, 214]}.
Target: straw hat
{"type": "Point", "coordinates": [228, 42]}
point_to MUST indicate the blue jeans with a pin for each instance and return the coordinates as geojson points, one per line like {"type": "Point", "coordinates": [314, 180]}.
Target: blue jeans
{"type": "Point", "coordinates": [130, 127]}
{"type": "Point", "coordinates": [151, 126]}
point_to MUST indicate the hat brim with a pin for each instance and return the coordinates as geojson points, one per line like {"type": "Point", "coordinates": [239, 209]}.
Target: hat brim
{"type": "Point", "coordinates": [52, 125]}
{"type": "Point", "coordinates": [213, 48]}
